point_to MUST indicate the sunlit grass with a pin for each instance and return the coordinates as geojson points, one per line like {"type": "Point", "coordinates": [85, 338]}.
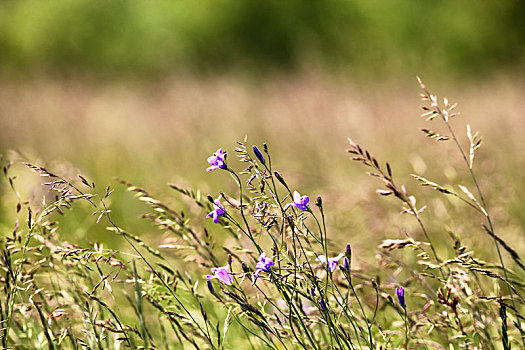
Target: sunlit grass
{"type": "Point", "coordinates": [78, 285]}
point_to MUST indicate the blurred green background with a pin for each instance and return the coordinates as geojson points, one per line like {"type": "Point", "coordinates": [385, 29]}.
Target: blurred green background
{"type": "Point", "coordinates": [359, 38]}
{"type": "Point", "coordinates": [147, 90]}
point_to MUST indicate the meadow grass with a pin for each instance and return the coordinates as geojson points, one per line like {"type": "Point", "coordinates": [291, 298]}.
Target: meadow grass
{"type": "Point", "coordinates": [269, 268]}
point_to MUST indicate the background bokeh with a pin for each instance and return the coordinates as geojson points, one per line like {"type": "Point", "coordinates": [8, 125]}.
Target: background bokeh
{"type": "Point", "coordinates": [146, 91]}
{"type": "Point", "coordinates": [370, 39]}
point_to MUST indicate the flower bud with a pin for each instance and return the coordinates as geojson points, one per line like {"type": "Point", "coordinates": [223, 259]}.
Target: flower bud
{"type": "Point", "coordinates": [322, 304]}
{"type": "Point", "coordinates": [280, 178]}
{"type": "Point", "coordinates": [245, 268]}
{"type": "Point", "coordinates": [401, 296]}
{"type": "Point", "coordinates": [319, 202]}
{"type": "Point", "coordinates": [347, 264]}
{"type": "Point", "coordinates": [258, 154]}
{"type": "Point", "coordinates": [210, 287]}
{"type": "Point", "coordinates": [348, 251]}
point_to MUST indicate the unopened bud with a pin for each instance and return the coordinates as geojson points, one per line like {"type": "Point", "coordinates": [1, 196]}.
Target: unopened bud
{"type": "Point", "coordinates": [258, 154]}
{"type": "Point", "coordinates": [347, 264]}
{"type": "Point", "coordinates": [280, 178]}
{"type": "Point", "coordinates": [322, 304]}
{"type": "Point", "coordinates": [245, 268]}
{"type": "Point", "coordinates": [401, 296]}
{"type": "Point", "coordinates": [210, 287]}
{"type": "Point", "coordinates": [319, 202]}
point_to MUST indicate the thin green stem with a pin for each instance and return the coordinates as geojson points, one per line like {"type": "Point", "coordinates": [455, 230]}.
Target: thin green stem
{"type": "Point", "coordinates": [487, 216]}
{"type": "Point", "coordinates": [406, 328]}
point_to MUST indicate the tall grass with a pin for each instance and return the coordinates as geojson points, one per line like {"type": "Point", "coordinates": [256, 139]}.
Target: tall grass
{"type": "Point", "coordinates": [264, 271]}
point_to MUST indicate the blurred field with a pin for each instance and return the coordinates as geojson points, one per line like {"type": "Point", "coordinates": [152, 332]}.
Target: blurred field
{"type": "Point", "coordinates": [158, 133]}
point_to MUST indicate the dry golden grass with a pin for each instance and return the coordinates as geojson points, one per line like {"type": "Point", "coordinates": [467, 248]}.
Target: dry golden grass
{"type": "Point", "coordinates": [159, 132]}
{"type": "Point", "coordinates": [151, 134]}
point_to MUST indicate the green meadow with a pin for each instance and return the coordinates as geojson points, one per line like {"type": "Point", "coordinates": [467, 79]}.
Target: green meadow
{"type": "Point", "coordinates": [412, 235]}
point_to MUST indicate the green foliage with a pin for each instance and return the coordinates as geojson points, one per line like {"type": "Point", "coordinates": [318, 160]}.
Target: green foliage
{"type": "Point", "coordinates": [361, 38]}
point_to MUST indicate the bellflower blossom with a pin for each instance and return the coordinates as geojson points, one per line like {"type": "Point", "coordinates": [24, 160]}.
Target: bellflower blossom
{"type": "Point", "coordinates": [300, 202]}
{"type": "Point", "coordinates": [221, 273]}
{"type": "Point", "coordinates": [263, 264]}
{"type": "Point", "coordinates": [401, 296]}
{"type": "Point", "coordinates": [217, 161]}
{"type": "Point", "coordinates": [218, 210]}
{"type": "Point", "coordinates": [332, 262]}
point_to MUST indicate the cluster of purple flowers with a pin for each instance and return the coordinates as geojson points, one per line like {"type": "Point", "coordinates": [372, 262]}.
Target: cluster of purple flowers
{"type": "Point", "coordinates": [224, 275]}
{"type": "Point", "coordinates": [264, 263]}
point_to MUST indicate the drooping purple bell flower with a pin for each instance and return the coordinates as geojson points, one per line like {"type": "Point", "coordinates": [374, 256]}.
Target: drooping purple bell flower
{"type": "Point", "coordinates": [300, 202]}
{"type": "Point", "coordinates": [217, 160]}
{"type": "Point", "coordinates": [264, 264]}
{"type": "Point", "coordinates": [221, 273]}
{"type": "Point", "coordinates": [218, 210]}
{"type": "Point", "coordinates": [332, 262]}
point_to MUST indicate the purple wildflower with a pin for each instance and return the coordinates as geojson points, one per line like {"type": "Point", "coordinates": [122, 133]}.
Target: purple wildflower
{"type": "Point", "coordinates": [221, 273]}
{"type": "Point", "coordinates": [263, 264]}
{"type": "Point", "coordinates": [346, 264]}
{"type": "Point", "coordinates": [401, 296]}
{"type": "Point", "coordinates": [218, 210]}
{"type": "Point", "coordinates": [322, 304]}
{"type": "Point", "coordinates": [300, 202]}
{"type": "Point", "coordinates": [258, 154]}
{"type": "Point", "coordinates": [332, 262]}
{"type": "Point", "coordinates": [217, 161]}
